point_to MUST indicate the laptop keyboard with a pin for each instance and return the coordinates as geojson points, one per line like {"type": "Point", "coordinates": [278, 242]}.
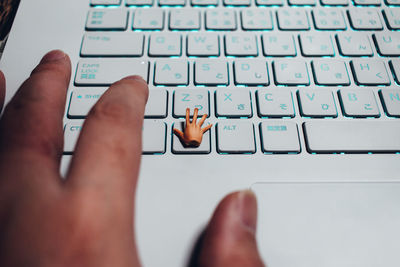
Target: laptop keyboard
{"type": "Point", "coordinates": [274, 76]}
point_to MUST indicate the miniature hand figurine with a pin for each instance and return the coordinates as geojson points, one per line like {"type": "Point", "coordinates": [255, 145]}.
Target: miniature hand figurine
{"type": "Point", "coordinates": [193, 134]}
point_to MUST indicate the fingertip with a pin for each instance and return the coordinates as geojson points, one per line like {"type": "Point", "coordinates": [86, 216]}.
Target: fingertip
{"type": "Point", "coordinates": [136, 83]}
{"type": "Point", "coordinates": [53, 56]}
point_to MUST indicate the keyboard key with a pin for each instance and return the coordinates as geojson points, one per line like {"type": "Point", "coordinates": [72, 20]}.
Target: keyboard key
{"type": "Point", "coordinates": [354, 44]}
{"type": "Point", "coordinates": [237, 2]}
{"type": "Point", "coordinates": [153, 137]}
{"type": "Point", "coordinates": [180, 19]}
{"type": "Point", "coordinates": [334, 2]}
{"type": "Point", "coordinates": [157, 103]}
{"type": "Point", "coordinates": [233, 103]}
{"type": "Point", "coordinates": [370, 72]}
{"type": "Point", "coordinates": [279, 137]}
{"type": "Point", "coordinates": [364, 19]}
{"type": "Point", "coordinates": [165, 44]}
{"type": "Point", "coordinates": [191, 98]}
{"type": "Point", "coordinates": [71, 135]}
{"type": "Point", "coordinates": [203, 44]}
{"type": "Point", "coordinates": [392, 17]}
{"type": "Point", "coordinates": [302, 2]}
{"type": "Point", "coordinates": [82, 101]}
{"type": "Point", "coordinates": [211, 72]}
{"type": "Point", "coordinates": [291, 72]}
{"type": "Point", "coordinates": [293, 19]}
{"type": "Point", "coordinates": [388, 44]}
{"type": "Point", "coordinates": [278, 45]}
{"type": "Point", "coordinates": [112, 44]}
{"type": "Point", "coordinates": [251, 72]}
{"type": "Point", "coordinates": [139, 2]}
{"type": "Point", "coordinates": [359, 103]}
{"type": "Point", "coordinates": [328, 19]}
{"type": "Point", "coordinates": [318, 44]}
{"type": "Point", "coordinates": [221, 19]}
{"type": "Point", "coordinates": [393, 2]}
{"type": "Point", "coordinates": [179, 148]}
{"type": "Point", "coordinates": [105, 71]}
{"type": "Point", "coordinates": [391, 101]}
{"type": "Point", "coordinates": [317, 103]}
{"type": "Point", "coordinates": [148, 19]}
{"type": "Point", "coordinates": [107, 19]}
{"type": "Point", "coordinates": [204, 2]}
{"type": "Point", "coordinates": [256, 19]}
{"type": "Point", "coordinates": [367, 2]}
{"type": "Point", "coordinates": [235, 137]}
{"type": "Point", "coordinates": [105, 2]}
{"type": "Point", "coordinates": [275, 103]}
{"type": "Point", "coordinates": [243, 44]}
{"type": "Point", "coordinates": [171, 2]}
{"type": "Point", "coordinates": [330, 72]}
{"type": "Point", "coordinates": [395, 66]}
{"type": "Point", "coordinates": [269, 2]}
{"type": "Point", "coordinates": [171, 72]}
{"type": "Point", "coordinates": [359, 136]}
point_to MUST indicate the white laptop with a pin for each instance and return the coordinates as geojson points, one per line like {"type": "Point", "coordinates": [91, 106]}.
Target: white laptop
{"type": "Point", "coordinates": [304, 96]}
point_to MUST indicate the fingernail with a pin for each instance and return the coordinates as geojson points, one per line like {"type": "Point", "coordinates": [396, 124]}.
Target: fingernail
{"type": "Point", "coordinates": [248, 209]}
{"type": "Point", "coordinates": [54, 55]}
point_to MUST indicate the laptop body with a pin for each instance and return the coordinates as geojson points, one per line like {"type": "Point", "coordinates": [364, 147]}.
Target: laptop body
{"type": "Point", "coordinates": [174, 201]}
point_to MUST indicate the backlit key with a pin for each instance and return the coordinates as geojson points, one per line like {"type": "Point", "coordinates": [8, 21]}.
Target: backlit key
{"type": "Point", "coordinates": [279, 137]}
{"type": "Point", "coordinates": [235, 137]}
{"type": "Point", "coordinates": [107, 19]}
{"type": "Point", "coordinates": [359, 103]}
{"type": "Point", "coordinates": [153, 138]}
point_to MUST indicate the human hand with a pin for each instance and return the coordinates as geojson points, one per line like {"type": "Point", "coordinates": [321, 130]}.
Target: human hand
{"type": "Point", "coordinates": [88, 219]}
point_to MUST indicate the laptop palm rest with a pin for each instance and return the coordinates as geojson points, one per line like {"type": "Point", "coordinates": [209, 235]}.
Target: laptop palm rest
{"type": "Point", "coordinates": [329, 224]}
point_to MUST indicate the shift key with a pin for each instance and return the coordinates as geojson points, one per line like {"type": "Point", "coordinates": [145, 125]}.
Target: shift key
{"type": "Point", "coordinates": [106, 71]}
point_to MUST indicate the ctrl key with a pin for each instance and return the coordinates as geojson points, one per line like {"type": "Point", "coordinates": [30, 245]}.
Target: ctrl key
{"type": "Point", "coordinates": [71, 134]}
{"type": "Point", "coordinates": [154, 133]}
{"type": "Point", "coordinates": [235, 137]}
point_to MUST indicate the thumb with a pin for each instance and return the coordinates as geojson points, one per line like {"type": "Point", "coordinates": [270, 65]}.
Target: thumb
{"type": "Point", "coordinates": [229, 239]}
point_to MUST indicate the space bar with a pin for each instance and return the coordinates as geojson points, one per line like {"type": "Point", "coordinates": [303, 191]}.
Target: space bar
{"type": "Point", "coordinates": [352, 136]}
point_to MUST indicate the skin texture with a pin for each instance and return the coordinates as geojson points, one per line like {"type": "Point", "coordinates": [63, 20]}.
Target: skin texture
{"type": "Point", "coordinates": [88, 219]}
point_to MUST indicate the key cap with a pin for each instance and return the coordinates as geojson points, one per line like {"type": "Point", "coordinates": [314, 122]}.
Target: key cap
{"type": "Point", "coordinates": [153, 137]}
{"type": "Point", "coordinates": [275, 103]}
{"type": "Point", "coordinates": [171, 72]}
{"type": "Point", "coordinates": [256, 19]}
{"type": "Point", "coordinates": [279, 137]}
{"type": "Point", "coordinates": [367, 2]}
{"type": "Point", "coordinates": [251, 72]}
{"type": "Point", "coordinates": [395, 66]}
{"type": "Point", "coordinates": [191, 98]}
{"type": "Point", "coordinates": [105, 71]}
{"type": "Point", "coordinates": [165, 44]}
{"type": "Point", "coordinates": [242, 44]}
{"type": "Point", "coordinates": [317, 103]}
{"type": "Point", "coordinates": [148, 19]}
{"type": "Point", "coordinates": [359, 103]}
{"type": "Point", "coordinates": [107, 19]}
{"type": "Point", "coordinates": [360, 136]}
{"type": "Point", "coordinates": [302, 2]}
{"type": "Point", "coordinates": [391, 101]}
{"type": "Point", "coordinates": [237, 2]}
{"type": "Point", "coordinates": [388, 44]}
{"type": "Point", "coordinates": [157, 103]}
{"type": "Point", "coordinates": [171, 2]}
{"type": "Point", "coordinates": [334, 2]}
{"type": "Point", "coordinates": [203, 44]}
{"type": "Point", "coordinates": [82, 101]}
{"type": "Point", "coordinates": [292, 19]}
{"type": "Point", "coordinates": [291, 72]}
{"type": "Point", "coordinates": [393, 2]}
{"type": "Point", "coordinates": [139, 2]}
{"type": "Point", "coordinates": [112, 44]}
{"type": "Point", "coordinates": [211, 72]}
{"type": "Point", "coordinates": [269, 2]}
{"type": "Point", "coordinates": [180, 19]}
{"type": "Point", "coordinates": [278, 44]}
{"type": "Point", "coordinates": [361, 19]}
{"type": "Point", "coordinates": [316, 44]}
{"type": "Point", "coordinates": [179, 148]}
{"type": "Point", "coordinates": [204, 2]}
{"type": "Point", "coordinates": [235, 137]}
{"type": "Point", "coordinates": [105, 2]}
{"type": "Point", "coordinates": [71, 135]}
{"type": "Point", "coordinates": [330, 72]}
{"type": "Point", "coordinates": [233, 103]}
{"type": "Point", "coordinates": [354, 44]}
{"type": "Point", "coordinates": [328, 19]}
{"type": "Point", "coordinates": [392, 17]}
{"type": "Point", "coordinates": [220, 19]}
{"type": "Point", "coordinates": [370, 72]}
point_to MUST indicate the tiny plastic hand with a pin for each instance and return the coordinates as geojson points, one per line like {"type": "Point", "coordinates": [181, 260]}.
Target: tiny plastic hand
{"type": "Point", "coordinates": [193, 134]}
